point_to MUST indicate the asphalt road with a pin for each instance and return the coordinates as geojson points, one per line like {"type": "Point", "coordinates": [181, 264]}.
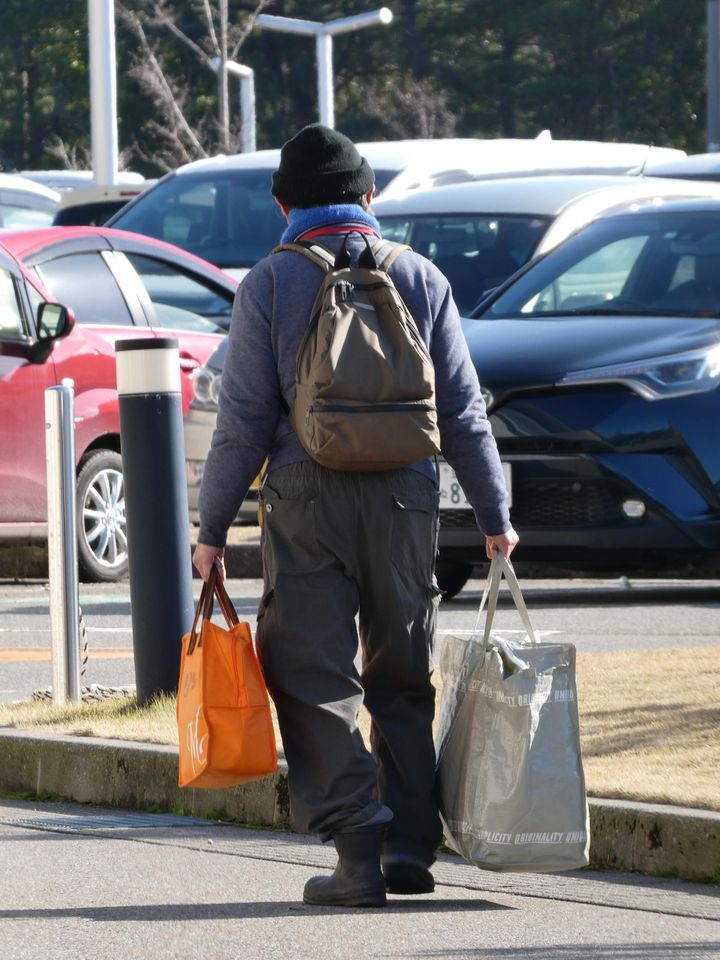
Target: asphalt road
{"type": "Point", "coordinates": [594, 614]}
{"type": "Point", "coordinates": [88, 882]}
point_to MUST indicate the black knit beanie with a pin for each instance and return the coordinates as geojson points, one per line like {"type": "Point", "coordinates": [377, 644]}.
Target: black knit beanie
{"type": "Point", "coordinates": [320, 166]}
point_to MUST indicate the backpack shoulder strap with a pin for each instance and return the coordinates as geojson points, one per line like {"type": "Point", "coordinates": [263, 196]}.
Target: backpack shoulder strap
{"type": "Point", "coordinates": [386, 252]}
{"type": "Point", "coordinates": [319, 255]}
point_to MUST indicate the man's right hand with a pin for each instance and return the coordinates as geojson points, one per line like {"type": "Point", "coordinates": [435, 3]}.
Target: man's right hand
{"type": "Point", "coordinates": [205, 557]}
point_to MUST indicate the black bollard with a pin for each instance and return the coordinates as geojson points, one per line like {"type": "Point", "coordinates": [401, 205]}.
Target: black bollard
{"type": "Point", "coordinates": [156, 507]}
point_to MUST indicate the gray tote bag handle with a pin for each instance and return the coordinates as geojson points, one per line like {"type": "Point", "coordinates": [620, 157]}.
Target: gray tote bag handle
{"type": "Point", "coordinates": [500, 566]}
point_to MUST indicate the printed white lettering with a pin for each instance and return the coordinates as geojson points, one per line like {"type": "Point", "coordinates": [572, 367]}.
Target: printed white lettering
{"type": "Point", "coordinates": [195, 744]}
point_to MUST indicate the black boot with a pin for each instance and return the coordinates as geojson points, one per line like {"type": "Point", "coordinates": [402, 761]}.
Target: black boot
{"type": "Point", "coordinates": [407, 875]}
{"type": "Point", "coordinates": [357, 880]}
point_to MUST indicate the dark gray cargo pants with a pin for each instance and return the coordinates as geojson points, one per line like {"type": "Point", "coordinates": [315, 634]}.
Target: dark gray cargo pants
{"type": "Point", "coordinates": [338, 544]}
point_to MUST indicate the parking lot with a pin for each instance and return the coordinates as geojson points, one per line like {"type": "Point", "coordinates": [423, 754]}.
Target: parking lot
{"type": "Point", "coordinates": [595, 614]}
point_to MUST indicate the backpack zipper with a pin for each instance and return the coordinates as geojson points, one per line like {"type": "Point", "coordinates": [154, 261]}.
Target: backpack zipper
{"type": "Point", "coordinates": [368, 407]}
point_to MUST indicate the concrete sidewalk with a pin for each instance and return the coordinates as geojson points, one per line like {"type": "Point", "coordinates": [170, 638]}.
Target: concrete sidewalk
{"type": "Point", "coordinates": [647, 838]}
{"type": "Point", "coordinates": [117, 885]}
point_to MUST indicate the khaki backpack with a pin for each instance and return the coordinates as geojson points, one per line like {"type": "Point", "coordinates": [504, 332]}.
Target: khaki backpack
{"type": "Point", "coordinates": [365, 384]}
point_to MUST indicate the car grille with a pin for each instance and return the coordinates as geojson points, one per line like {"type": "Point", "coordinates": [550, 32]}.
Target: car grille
{"type": "Point", "coordinates": [554, 503]}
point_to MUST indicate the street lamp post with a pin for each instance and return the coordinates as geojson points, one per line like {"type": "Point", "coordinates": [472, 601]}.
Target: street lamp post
{"type": "Point", "coordinates": [323, 33]}
{"type": "Point", "coordinates": [247, 100]}
{"type": "Point", "coordinates": [103, 91]}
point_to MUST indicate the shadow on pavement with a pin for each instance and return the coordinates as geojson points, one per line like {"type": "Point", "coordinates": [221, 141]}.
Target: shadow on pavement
{"type": "Point", "coordinates": [144, 913]}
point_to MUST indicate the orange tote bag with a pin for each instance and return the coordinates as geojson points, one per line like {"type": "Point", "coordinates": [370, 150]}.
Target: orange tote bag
{"type": "Point", "coordinates": [223, 710]}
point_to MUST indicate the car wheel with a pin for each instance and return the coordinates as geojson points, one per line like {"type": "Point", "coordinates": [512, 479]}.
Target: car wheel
{"type": "Point", "coordinates": [102, 529]}
{"type": "Point", "coordinates": [451, 577]}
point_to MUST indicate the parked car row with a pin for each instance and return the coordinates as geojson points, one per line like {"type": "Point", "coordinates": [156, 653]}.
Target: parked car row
{"type": "Point", "coordinates": [222, 210]}
{"type": "Point", "coordinates": [600, 358]}
{"type": "Point", "coordinates": [591, 321]}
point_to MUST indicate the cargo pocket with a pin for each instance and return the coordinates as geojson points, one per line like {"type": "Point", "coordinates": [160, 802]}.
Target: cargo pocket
{"type": "Point", "coordinates": [289, 531]}
{"type": "Point", "coordinates": [414, 533]}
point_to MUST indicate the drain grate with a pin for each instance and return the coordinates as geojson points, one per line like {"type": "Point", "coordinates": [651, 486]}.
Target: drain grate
{"type": "Point", "coordinates": [118, 821]}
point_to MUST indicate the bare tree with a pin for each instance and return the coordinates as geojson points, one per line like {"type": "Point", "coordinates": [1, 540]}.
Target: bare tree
{"type": "Point", "coordinates": [77, 156]}
{"type": "Point", "coordinates": [181, 139]}
{"type": "Point", "coordinates": [412, 108]}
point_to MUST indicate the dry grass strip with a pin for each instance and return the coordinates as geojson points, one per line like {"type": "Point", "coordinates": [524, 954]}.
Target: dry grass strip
{"type": "Point", "coordinates": [650, 724]}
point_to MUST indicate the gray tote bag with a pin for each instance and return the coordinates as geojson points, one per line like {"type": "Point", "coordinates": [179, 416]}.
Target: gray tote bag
{"type": "Point", "coordinates": [510, 775]}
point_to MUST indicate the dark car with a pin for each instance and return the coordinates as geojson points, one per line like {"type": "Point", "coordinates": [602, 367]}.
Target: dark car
{"type": "Point", "coordinates": [601, 362]}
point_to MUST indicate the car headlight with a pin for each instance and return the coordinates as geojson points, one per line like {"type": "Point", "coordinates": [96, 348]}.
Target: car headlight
{"type": "Point", "coordinates": [694, 371]}
{"type": "Point", "coordinates": [206, 388]}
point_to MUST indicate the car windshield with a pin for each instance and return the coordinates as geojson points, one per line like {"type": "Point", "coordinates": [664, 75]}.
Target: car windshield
{"type": "Point", "coordinates": [476, 252]}
{"type": "Point", "coordinates": [230, 218]}
{"type": "Point", "coordinates": [657, 262]}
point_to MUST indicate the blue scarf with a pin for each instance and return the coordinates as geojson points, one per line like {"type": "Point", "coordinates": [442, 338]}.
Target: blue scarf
{"type": "Point", "coordinates": [312, 218]}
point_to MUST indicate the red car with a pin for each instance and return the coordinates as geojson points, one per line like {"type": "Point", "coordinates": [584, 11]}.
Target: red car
{"type": "Point", "coordinates": [115, 285]}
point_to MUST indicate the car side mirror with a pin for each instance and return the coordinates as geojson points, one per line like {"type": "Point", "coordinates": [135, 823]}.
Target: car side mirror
{"type": "Point", "coordinates": [54, 321]}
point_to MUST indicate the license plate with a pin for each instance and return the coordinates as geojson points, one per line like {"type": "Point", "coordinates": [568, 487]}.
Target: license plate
{"type": "Point", "coordinates": [452, 495]}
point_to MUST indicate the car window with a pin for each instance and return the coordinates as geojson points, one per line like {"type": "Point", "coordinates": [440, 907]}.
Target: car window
{"type": "Point", "coordinates": [83, 282]}
{"type": "Point", "coordinates": [663, 261]}
{"type": "Point", "coordinates": [19, 210]}
{"type": "Point", "coordinates": [87, 214]}
{"type": "Point", "coordinates": [12, 326]}
{"type": "Point", "coordinates": [182, 301]}
{"type": "Point", "coordinates": [383, 178]}
{"type": "Point", "coordinates": [230, 219]}
{"type": "Point", "coordinates": [475, 252]}
{"type": "Point", "coordinates": [594, 279]}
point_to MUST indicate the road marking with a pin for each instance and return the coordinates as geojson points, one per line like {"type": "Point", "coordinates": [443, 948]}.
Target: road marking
{"type": "Point", "coordinates": [127, 630]}
{"type": "Point", "coordinates": [19, 655]}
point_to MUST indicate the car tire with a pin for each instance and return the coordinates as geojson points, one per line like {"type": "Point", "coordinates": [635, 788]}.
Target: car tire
{"type": "Point", "coordinates": [451, 577]}
{"type": "Point", "coordinates": [101, 525]}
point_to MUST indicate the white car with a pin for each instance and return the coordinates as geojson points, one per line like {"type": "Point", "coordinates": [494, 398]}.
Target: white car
{"type": "Point", "coordinates": [697, 166]}
{"type": "Point", "coordinates": [221, 208]}
{"type": "Point", "coordinates": [93, 206]}
{"type": "Point", "coordinates": [480, 232]}
{"type": "Point", "coordinates": [24, 203]}
{"type": "Point", "coordinates": [542, 156]}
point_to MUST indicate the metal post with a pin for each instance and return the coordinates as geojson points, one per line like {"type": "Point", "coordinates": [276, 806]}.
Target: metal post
{"type": "Point", "coordinates": [246, 76]}
{"type": "Point", "coordinates": [326, 99]}
{"type": "Point", "coordinates": [713, 75]}
{"type": "Point", "coordinates": [247, 113]}
{"type": "Point", "coordinates": [62, 543]}
{"type": "Point", "coordinates": [323, 33]}
{"type": "Point", "coordinates": [103, 91]}
{"type": "Point", "coordinates": [153, 456]}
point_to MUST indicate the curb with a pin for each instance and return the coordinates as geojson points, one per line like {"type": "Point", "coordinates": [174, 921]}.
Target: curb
{"type": "Point", "coordinates": [625, 835]}
{"type": "Point", "coordinates": [23, 561]}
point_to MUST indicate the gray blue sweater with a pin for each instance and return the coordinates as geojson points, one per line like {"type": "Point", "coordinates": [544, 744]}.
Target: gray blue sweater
{"type": "Point", "coordinates": [271, 311]}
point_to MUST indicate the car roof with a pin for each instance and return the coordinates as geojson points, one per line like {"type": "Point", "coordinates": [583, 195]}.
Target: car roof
{"type": "Point", "coordinates": [539, 195]}
{"type": "Point", "coordinates": [391, 154]}
{"type": "Point", "coordinates": [646, 190]}
{"type": "Point", "coordinates": [24, 244]}
{"type": "Point", "coordinates": [540, 157]}
{"type": "Point", "coordinates": [12, 181]}
{"type": "Point", "coordinates": [63, 180]}
{"type": "Point", "coordinates": [462, 157]}
{"type": "Point", "coordinates": [695, 165]}
{"type": "Point", "coordinates": [667, 204]}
